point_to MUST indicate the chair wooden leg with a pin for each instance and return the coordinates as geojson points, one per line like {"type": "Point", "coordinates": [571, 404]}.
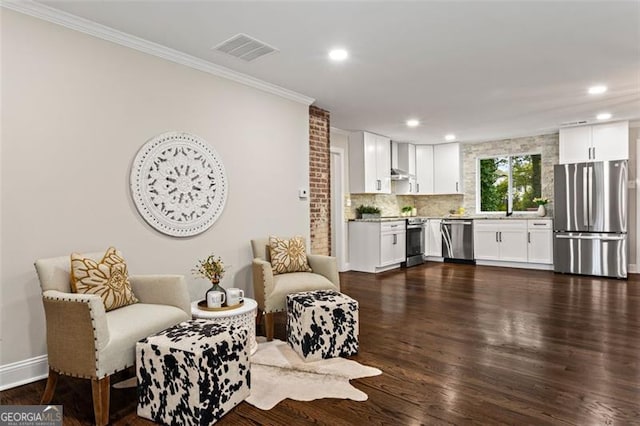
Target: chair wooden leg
{"type": "Point", "coordinates": [100, 391]}
{"type": "Point", "coordinates": [49, 390]}
{"type": "Point", "coordinates": [259, 318]}
{"type": "Point", "coordinates": [268, 325]}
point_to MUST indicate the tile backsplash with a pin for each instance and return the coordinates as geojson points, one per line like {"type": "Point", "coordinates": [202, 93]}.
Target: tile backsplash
{"type": "Point", "coordinates": [391, 205]}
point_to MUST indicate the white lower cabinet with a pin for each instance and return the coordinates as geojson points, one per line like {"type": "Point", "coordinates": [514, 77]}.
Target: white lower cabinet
{"type": "Point", "coordinates": [504, 240]}
{"type": "Point", "coordinates": [514, 240]}
{"type": "Point", "coordinates": [433, 238]}
{"type": "Point", "coordinates": [392, 247]}
{"type": "Point", "coordinates": [540, 241]}
{"type": "Point", "coordinates": [376, 246]}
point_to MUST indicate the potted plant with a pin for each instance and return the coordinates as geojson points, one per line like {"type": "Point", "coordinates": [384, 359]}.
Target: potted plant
{"type": "Point", "coordinates": [212, 269]}
{"type": "Point", "coordinates": [367, 212]}
{"type": "Point", "coordinates": [541, 202]}
{"type": "Point", "coordinates": [406, 211]}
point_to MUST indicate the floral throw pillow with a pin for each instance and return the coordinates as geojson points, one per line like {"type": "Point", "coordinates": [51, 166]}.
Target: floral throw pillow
{"type": "Point", "coordinates": [108, 279]}
{"type": "Point", "coordinates": [288, 255]}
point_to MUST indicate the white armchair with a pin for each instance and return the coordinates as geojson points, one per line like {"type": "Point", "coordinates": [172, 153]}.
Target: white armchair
{"type": "Point", "coordinates": [85, 341]}
{"type": "Point", "coordinates": [271, 290]}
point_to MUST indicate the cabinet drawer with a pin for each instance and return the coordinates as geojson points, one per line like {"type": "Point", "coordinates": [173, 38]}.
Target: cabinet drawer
{"type": "Point", "coordinates": [513, 224]}
{"type": "Point", "coordinates": [486, 225]}
{"type": "Point", "coordinates": [392, 226]}
{"type": "Point", "coordinates": [539, 224]}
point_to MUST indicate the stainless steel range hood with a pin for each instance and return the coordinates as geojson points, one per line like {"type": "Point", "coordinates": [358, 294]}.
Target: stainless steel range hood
{"type": "Point", "coordinates": [398, 162]}
{"type": "Point", "coordinates": [398, 174]}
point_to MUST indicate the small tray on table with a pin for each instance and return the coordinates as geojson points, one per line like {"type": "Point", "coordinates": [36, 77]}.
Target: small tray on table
{"type": "Point", "coordinates": [203, 305]}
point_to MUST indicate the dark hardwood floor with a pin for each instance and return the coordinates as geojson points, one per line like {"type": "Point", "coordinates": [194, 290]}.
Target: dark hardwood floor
{"type": "Point", "coordinates": [459, 344]}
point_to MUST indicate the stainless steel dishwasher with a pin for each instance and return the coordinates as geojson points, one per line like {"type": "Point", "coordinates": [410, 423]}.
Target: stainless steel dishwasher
{"type": "Point", "coordinates": [457, 240]}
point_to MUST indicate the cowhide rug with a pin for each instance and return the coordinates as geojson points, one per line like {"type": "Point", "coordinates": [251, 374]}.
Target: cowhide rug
{"type": "Point", "coordinates": [277, 373]}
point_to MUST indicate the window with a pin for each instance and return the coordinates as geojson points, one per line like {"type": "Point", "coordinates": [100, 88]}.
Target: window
{"type": "Point", "coordinates": [512, 181]}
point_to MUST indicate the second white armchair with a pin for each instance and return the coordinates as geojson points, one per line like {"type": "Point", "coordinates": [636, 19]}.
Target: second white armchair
{"type": "Point", "coordinates": [270, 290]}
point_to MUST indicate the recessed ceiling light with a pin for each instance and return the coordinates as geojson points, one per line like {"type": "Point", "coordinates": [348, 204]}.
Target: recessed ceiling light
{"type": "Point", "coordinates": [597, 90]}
{"type": "Point", "coordinates": [338, 54]}
{"type": "Point", "coordinates": [450, 137]}
{"type": "Point", "coordinates": [603, 116]}
{"type": "Point", "coordinates": [413, 122]}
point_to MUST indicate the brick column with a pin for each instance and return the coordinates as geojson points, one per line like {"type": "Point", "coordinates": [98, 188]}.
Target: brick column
{"type": "Point", "coordinates": [319, 181]}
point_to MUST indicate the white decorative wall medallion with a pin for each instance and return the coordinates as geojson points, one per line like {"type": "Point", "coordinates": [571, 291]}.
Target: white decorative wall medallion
{"type": "Point", "coordinates": [178, 184]}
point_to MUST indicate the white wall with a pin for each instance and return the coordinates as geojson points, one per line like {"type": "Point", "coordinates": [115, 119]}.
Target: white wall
{"type": "Point", "coordinates": [75, 110]}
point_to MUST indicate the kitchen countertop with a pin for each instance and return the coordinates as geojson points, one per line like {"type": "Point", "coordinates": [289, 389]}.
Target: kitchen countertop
{"type": "Point", "coordinates": [379, 219]}
{"type": "Point", "coordinates": [469, 217]}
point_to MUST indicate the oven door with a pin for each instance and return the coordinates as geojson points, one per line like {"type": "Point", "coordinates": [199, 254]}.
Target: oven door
{"type": "Point", "coordinates": [415, 241]}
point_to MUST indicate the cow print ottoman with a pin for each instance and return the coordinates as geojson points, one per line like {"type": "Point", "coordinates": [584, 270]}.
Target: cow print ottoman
{"type": "Point", "coordinates": [322, 324]}
{"type": "Point", "coordinates": [192, 373]}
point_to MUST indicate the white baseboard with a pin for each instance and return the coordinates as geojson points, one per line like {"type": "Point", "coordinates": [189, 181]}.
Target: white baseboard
{"type": "Point", "coordinates": [633, 268]}
{"type": "Point", "coordinates": [346, 267]}
{"type": "Point", "coordinates": [23, 372]}
{"type": "Point", "coordinates": [523, 265]}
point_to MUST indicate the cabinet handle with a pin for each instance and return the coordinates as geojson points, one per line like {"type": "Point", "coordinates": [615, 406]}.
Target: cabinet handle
{"type": "Point", "coordinates": [417, 187]}
{"type": "Point", "coordinates": [456, 186]}
{"type": "Point", "coordinates": [497, 238]}
{"type": "Point", "coordinates": [500, 235]}
{"type": "Point", "coordinates": [529, 237]}
{"type": "Point", "coordinates": [410, 187]}
{"type": "Point", "coordinates": [594, 152]}
{"type": "Point", "coordinates": [589, 153]}
{"type": "Point", "coordinates": [378, 186]}
{"type": "Point", "coordinates": [395, 238]}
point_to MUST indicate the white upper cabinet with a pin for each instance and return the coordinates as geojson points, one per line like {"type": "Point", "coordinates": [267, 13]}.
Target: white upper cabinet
{"type": "Point", "coordinates": [610, 141]}
{"type": "Point", "coordinates": [600, 142]}
{"type": "Point", "coordinates": [447, 169]}
{"type": "Point", "coordinates": [369, 163]}
{"type": "Point", "coordinates": [424, 169]}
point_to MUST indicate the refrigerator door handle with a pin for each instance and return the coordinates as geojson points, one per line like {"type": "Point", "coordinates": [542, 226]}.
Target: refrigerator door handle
{"type": "Point", "coordinates": [590, 196]}
{"type": "Point", "coordinates": [590, 237]}
{"type": "Point", "coordinates": [586, 195]}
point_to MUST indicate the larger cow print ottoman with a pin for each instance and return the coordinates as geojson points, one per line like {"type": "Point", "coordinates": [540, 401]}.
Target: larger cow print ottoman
{"type": "Point", "coordinates": [192, 373]}
{"type": "Point", "coordinates": [322, 324]}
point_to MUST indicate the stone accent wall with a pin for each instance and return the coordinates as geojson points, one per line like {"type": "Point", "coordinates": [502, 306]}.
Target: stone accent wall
{"type": "Point", "coordinates": [546, 145]}
{"type": "Point", "coordinates": [319, 181]}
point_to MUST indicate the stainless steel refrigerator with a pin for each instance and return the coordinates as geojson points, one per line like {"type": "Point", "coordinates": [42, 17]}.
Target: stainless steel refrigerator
{"type": "Point", "coordinates": [590, 226]}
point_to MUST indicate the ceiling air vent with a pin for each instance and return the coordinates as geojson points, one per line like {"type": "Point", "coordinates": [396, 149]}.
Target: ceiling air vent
{"type": "Point", "coordinates": [244, 47]}
{"type": "Point", "coordinates": [573, 123]}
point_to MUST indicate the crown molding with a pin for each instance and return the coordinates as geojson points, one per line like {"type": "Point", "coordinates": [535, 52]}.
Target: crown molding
{"type": "Point", "coordinates": [46, 13]}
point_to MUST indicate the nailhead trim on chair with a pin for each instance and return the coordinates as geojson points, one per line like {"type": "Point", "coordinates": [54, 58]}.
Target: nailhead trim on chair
{"type": "Point", "coordinates": [93, 325]}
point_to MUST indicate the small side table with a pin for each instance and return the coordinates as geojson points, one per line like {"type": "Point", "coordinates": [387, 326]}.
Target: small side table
{"type": "Point", "coordinates": [245, 316]}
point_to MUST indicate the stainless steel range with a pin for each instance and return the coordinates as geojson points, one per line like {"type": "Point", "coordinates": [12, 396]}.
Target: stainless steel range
{"type": "Point", "coordinates": [415, 241]}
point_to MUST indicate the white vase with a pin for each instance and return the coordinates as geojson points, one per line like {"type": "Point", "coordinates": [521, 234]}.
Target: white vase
{"type": "Point", "coordinates": [542, 211]}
